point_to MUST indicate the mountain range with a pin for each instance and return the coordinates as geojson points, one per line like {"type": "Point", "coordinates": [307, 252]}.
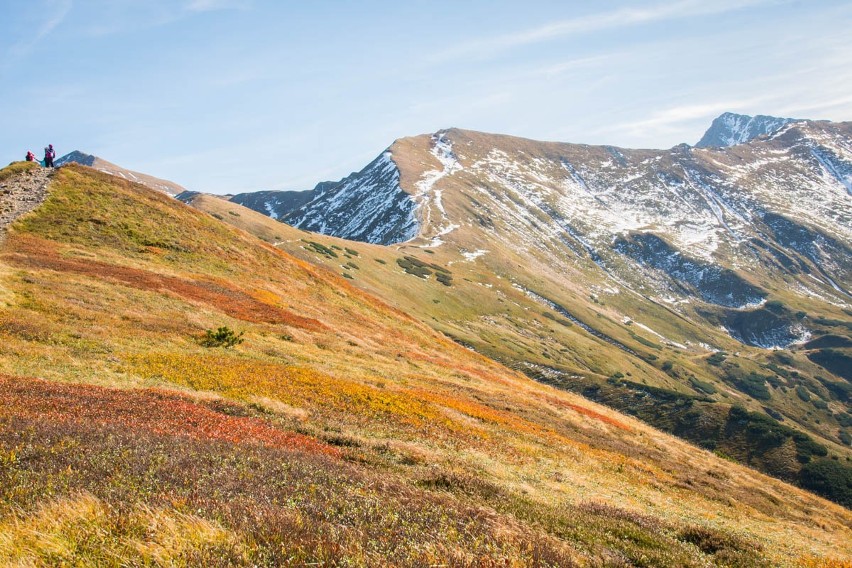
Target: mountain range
{"type": "Point", "coordinates": [334, 429]}
{"type": "Point", "coordinates": [676, 285]}
{"type": "Point", "coordinates": [206, 385]}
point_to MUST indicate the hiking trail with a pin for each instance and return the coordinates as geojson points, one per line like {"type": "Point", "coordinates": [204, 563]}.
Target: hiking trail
{"type": "Point", "coordinates": [21, 194]}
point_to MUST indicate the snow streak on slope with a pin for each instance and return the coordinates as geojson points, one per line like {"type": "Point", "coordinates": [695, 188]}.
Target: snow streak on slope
{"type": "Point", "coordinates": [429, 198]}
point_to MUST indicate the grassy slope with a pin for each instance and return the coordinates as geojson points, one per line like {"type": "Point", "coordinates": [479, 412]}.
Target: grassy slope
{"type": "Point", "coordinates": [340, 430]}
{"type": "Point", "coordinates": [486, 311]}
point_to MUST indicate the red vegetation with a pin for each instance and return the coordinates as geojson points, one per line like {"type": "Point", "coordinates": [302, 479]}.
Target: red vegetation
{"type": "Point", "coordinates": [149, 410]}
{"type": "Point", "coordinates": [217, 295]}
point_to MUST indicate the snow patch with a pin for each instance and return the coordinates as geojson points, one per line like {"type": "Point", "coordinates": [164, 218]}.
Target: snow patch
{"type": "Point", "coordinates": [471, 256]}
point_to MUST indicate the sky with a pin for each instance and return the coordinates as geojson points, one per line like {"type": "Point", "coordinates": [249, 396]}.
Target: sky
{"type": "Point", "coordinates": [227, 96]}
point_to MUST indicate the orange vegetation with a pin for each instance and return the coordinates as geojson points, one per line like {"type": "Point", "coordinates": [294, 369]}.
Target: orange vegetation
{"type": "Point", "coordinates": [35, 253]}
{"type": "Point", "coordinates": [244, 378]}
{"type": "Point", "coordinates": [590, 413]}
{"type": "Point", "coordinates": [155, 411]}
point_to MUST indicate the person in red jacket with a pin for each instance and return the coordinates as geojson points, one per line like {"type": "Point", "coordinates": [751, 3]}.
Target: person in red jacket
{"type": "Point", "coordinates": [31, 157]}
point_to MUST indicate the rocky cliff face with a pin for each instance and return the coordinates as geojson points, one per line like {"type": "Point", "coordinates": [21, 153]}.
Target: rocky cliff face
{"type": "Point", "coordinates": [367, 206]}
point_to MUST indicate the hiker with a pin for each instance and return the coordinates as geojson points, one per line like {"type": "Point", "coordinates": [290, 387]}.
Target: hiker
{"type": "Point", "coordinates": [49, 155]}
{"type": "Point", "coordinates": [31, 157]}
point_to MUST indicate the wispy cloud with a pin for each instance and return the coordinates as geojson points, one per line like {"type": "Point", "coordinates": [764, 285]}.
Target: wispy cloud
{"type": "Point", "coordinates": [614, 19]}
{"type": "Point", "coordinates": [216, 5]}
{"type": "Point", "coordinates": [582, 63]}
{"type": "Point", "coordinates": [57, 11]}
{"type": "Point", "coordinates": [673, 119]}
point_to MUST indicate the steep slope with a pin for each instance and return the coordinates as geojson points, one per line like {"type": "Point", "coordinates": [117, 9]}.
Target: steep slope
{"type": "Point", "coordinates": [729, 129]}
{"type": "Point", "coordinates": [340, 431]}
{"type": "Point", "coordinates": [77, 157]}
{"type": "Point", "coordinates": [366, 206]}
{"type": "Point", "coordinates": [616, 272]}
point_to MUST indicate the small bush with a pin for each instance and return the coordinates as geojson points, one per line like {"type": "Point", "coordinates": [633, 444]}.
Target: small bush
{"type": "Point", "coordinates": [716, 359]}
{"type": "Point", "coordinates": [222, 337]}
{"type": "Point", "coordinates": [752, 384]}
{"type": "Point", "coordinates": [414, 266]}
{"type": "Point", "coordinates": [445, 279]}
{"type": "Point", "coordinates": [321, 249]}
{"type": "Point", "coordinates": [350, 251]}
{"type": "Point", "coordinates": [703, 386]}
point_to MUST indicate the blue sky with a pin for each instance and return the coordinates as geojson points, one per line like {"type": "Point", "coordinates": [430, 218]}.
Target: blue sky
{"type": "Point", "coordinates": [242, 95]}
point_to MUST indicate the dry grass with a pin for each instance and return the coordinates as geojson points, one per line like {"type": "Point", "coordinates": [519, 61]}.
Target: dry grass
{"type": "Point", "coordinates": [82, 530]}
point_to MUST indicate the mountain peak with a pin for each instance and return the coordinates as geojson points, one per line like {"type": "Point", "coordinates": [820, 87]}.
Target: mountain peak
{"type": "Point", "coordinates": [92, 161]}
{"type": "Point", "coordinates": [77, 157]}
{"type": "Point", "coordinates": [729, 129]}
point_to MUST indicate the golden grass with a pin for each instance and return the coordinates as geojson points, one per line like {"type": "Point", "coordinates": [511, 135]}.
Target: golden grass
{"type": "Point", "coordinates": [243, 379]}
{"type": "Point", "coordinates": [81, 530]}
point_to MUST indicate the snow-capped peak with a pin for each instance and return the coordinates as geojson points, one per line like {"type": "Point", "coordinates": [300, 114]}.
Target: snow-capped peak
{"type": "Point", "coordinates": [730, 129]}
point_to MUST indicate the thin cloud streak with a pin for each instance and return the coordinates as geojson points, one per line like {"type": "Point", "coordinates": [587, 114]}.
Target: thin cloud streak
{"type": "Point", "coordinates": [59, 11]}
{"type": "Point", "coordinates": [625, 17]}
{"type": "Point", "coordinates": [670, 118]}
{"type": "Point", "coordinates": [216, 5]}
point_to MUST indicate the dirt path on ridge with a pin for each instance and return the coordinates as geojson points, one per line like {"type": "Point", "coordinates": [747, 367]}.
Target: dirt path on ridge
{"type": "Point", "coordinates": [21, 194]}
